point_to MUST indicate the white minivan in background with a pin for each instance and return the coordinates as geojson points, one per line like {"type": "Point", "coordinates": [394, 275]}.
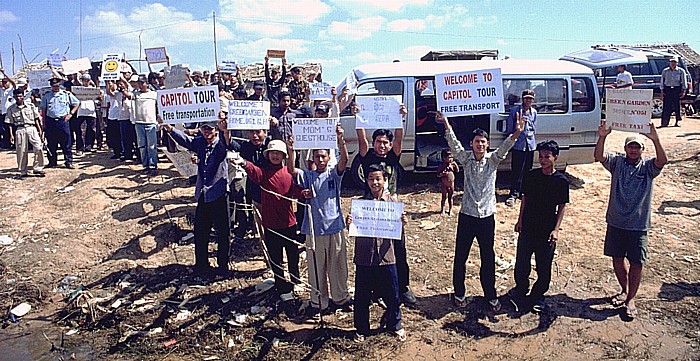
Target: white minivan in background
{"type": "Point", "coordinates": [566, 99]}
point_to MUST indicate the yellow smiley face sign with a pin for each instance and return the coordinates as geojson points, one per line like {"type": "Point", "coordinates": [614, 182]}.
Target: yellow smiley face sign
{"type": "Point", "coordinates": [111, 66]}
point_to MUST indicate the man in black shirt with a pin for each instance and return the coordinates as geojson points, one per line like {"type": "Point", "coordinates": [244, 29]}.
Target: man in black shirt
{"type": "Point", "coordinates": [258, 89]}
{"type": "Point", "coordinates": [545, 195]}
{"type": "Point", "coordinates": [274, 81]}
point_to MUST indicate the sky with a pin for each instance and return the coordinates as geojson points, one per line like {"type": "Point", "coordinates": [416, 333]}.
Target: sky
{"type": "Point", "coordinates": [339, 34]}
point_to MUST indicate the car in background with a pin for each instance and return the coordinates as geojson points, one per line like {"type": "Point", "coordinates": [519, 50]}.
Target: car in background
{"type": "Point", "coordinates": [645, 65]}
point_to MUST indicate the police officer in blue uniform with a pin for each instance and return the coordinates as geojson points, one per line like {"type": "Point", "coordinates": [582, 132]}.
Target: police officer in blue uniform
{"type": "Point", "coordinates": [58, 107]}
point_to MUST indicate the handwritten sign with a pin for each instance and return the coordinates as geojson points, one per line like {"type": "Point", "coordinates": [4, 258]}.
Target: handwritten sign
{"type": "Point", "coordinates": [376, 219]}
{"type": "Point", "coordinates": [315, 133]}
{"type": "Point", "coordinates": [111, 64]}
{"type": "Point", "coordinates": [189, 105]}
{"type": "Point", "coordinates": [39, 78]}
{"type": "Point", "coordinates": [248, 114]}
{"type": "Point", "coordinates": [470, 93]}
{"type": "Point", "coordinates": [55, 60]}
{"type": "Point", "coordinates": [182, 161]}
{"type": "Point", "coordinates": [351, 83]}
{"type": "Point", "coordinates": [86, 93]}
{"type": "Point", "coordinates": [320, 91]}
{"type": "Point", "coordinates": [75, 66]}
{"type": "Point", "coordinates": [175, 76]}
{"type": "Point", "coordinates": [379, 112]}
{"type": "Point", "coordinates": [275, 53]}
{"type": "Point", "coordinates": [156, 55]}
{"type": "Point", "coordinates": [228, 67]}
{"type": "Point", "coordinates": [629, 110]}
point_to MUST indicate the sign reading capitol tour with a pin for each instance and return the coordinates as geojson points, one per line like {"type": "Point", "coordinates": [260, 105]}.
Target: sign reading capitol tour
{"type": "Point", "coordinates": [189, 105]}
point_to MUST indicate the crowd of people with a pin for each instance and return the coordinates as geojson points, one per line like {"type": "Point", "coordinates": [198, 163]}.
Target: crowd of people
{"type": "Point", "coordinates": [295, 195]}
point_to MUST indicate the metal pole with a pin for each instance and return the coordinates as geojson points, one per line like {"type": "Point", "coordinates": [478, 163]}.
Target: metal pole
{"type": "Point", "coordinates": [216, 54]}
{"type": "Point", "coordinates": [80, 26]}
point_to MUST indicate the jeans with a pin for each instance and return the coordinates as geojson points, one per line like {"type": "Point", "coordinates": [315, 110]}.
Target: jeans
{"type": "Point", "coordinates": [483, 229]}
{"type": "Point", "coordinates": [521, 163]}
{"type": "Point", "coordinates": [275, 244]}
{"type": "Point", "coordinates": [114, 139]}
{"type": "Point", "coordinates": [214, 213]}
{"type": "Point", "coordinates": [383, 281]}
{"type": "Point", "coordinates": [147, 138]}
{"type": "Point", "coordinates": [127, 134]}
{"type": "Point", "coordinates": [58, 132]}
{"type": "Point", "coordinates": [544, 254]}
{"type": "Point", "coordinates": [401, 263]}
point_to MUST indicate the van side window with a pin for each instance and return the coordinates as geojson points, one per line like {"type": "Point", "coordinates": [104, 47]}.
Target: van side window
{"type": "Point", "coordinates": [551, 95]}
{"type": "Point", "coordinates": [379, 87]}
{"type": "Point", "coordinates": [582, 95]}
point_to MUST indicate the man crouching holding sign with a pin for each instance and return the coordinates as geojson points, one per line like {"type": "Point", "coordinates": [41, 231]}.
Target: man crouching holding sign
{"type": "Point", "coordinates": [374, 256]}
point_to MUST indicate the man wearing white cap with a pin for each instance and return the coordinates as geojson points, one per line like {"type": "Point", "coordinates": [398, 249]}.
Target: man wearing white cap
{"type": "Point", "coordinates": [629, 210]}
{"type": "Point", "coordinates": [673, 88]}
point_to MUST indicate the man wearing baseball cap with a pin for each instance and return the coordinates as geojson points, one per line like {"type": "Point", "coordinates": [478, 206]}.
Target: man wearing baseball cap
{"type": "Point", "coordinates": [673, 88]}
{"type": "Point", "coordinates": [523, 151]}
{"type": "Point", "coordinates": [58, 107]}
{"type": "Point", "coordinates": [258, 91]}
{"type": "Point", "coordinates": [629, 209]}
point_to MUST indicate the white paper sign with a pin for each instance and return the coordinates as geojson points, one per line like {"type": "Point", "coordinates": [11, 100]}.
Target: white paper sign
{"type": "Point", "coordinates": [248, 114]}
{"type": "Point", "coordinates": [629, 110]}
{"type": "Point", "coordinates": [470, 93]}
{"type": "Point", "coordinates": [315, 133]}
{"type": "Point", "coordinates": [228, 67]}
{"type": "Point", "coordinates": [320, 91]}
{"type": "Point", "coordinates": [111, 64]}
{"type": "Point", "coordinates": [86, 93]}
{"type": "Point", "coordinates": [350, 83]}
{"type": "Point", "coordinates": [39, 78]}
{"type": "Point", "coordinates": [75, 66]}
{"type": "Point", "coordinates": [55, 60]}
{"type": "Point", "coordinates": [376, 219]}
{"type": "Point", "coordinates": [379, 112]}
{"type": "Point", "coordinates": [156, 55]}
{"type": "Point", "coordinates": [189, 105]}
{"type": "Point", "coordinates": [175, 76]}
{"type": "Point", "coordinates": [183, 162]}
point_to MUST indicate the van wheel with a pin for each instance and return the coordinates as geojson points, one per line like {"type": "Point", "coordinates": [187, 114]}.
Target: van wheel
{"type": "Point", "coordinates": [358, 178]}
{"type": "Point", "coordinates": [657, 107]}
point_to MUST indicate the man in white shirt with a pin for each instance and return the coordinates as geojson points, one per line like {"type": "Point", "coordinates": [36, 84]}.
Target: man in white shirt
{"type": "Point", "coordinates": [624, 78]}
{"type": "Point", "coordinates": [144, 115]}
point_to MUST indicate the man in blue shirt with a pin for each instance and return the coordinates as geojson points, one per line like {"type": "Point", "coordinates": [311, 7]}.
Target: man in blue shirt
{"type": "Point", "coordinates": [673, 87]}
{"type": "Point", "coordinates": [58, 107]}
{"type": "Point", "coordinates": [524, 149]}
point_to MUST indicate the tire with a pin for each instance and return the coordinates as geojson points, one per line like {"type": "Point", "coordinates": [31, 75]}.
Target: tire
{"type": "Point", "coordinates": [657, 107]}
{"type": "Point", "coordinates": [358, 179]}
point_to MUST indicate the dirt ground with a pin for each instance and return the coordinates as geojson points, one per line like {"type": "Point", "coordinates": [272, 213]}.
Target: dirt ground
{"type": "Point", "coordinates": [124, 238]}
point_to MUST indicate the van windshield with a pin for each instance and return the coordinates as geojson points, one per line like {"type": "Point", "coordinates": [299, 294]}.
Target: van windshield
{"type": "Point", "coordinates": [551, 95]}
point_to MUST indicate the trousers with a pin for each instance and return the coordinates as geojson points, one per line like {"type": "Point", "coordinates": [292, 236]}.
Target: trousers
{"type": "Point", "coordinates": [382, 281]}
{"type": "Point", "coordinates": [331, 264]}
{"type": "Point", "coordinates": [482, 229]}
{"type": "Point", "coordinates": [544, 254]}
{"type": "Point", "coordinates": [58, 133]}
{"type": "Point", "coordinates": [24, 137]}
{"type": "Point", "coordinates": [208, 214]}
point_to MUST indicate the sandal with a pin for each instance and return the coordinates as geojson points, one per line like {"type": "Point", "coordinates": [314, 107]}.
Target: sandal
{"type": "Point", "coordinates": [359, 338]}
{"type": "Point", "coordinates": [401, 334]}
{"type": "Point", "coordinates": [631, 312]}
{"type": "Point", "coordinates": [460, 302]}
{"type": "Point", "coordinates": [618, 300]}
{"type": "Point", "coordinates": [495, 305]}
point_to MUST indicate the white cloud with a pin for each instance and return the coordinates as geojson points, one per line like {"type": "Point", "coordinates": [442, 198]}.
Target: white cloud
{"type": "Point", "coordinates": [359, 29]}
{"type": "Point", "coordinates": [254, 51]}
{"type": "Point", "coordinates": [360, 8]}
{"type": "Point", "coordinates": [162, 26]}
{"type": "Point", "coordinates": [7, 17]}
{"type": "Point", "coordinates": [501, 42]}
{"type": "Point", "coordinates": [487, 20]}
{"type": "Point", "coordinates": [271, 17]}
{"type": "Point", "coordinates": [406, 25]}
{"type": "Point", "coordinates": [415, 52]}
{"type": "Point", "coordinates": [325, 62]}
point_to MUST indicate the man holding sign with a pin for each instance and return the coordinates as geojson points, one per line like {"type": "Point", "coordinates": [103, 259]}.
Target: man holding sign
{"type": "Point", "coordinates": [476, 217]}
{"type": "Point", "coordinates": [629, 209]}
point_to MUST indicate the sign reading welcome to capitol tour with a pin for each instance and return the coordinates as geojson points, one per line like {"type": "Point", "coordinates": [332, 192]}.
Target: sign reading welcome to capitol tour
{"type": "Point", "coordinates": [189, 105]}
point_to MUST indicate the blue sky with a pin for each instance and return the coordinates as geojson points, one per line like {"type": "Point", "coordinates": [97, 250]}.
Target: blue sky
{"type": "Point", "coordinates": [340, 34]}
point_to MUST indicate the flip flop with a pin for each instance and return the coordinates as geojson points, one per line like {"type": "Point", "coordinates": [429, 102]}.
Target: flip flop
{"type": "Point", "coordinates": [401, 334]}
{"type": "Point", "coordinates": [631, 312]}
{"type": "Point", "coordinates": [618, 300]}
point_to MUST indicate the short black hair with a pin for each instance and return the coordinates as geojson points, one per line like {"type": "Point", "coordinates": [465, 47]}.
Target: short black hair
{"type": "Point", "coordinates": [376, 168]}
{"type": "Point", "coordinates": [478, 132]}
{"type": "Point", "coordinates": [383, 132]}
{"type": "Point", "coordinates": [549, 145]}
{"type": "Point", "coordinates": [445, 153]}
{"type": "Point", "coordinates": [328, 151]}
{"type": "Point", "coordinates": [285, 94]}
{"type": "Point", "coordinates": [296, 69]}
{"type": "Point", "coordinates": [18, 92]}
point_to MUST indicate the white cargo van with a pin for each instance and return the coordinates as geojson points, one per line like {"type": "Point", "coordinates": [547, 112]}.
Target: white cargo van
{"type": "Point", "coordinates": [566, 100]}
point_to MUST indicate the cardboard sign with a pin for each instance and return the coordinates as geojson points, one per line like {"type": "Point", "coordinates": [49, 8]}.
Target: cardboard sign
{"type": "Point", "coordinates": [628, 110]}
{"type": "Point", "coordinates": [189, 105]}
{"type": "Point", "coordinates": [182, 161]}
{"type": "Point", "coordinates": [75, 66]}
{"type": "Point", "coordinates": [175, 76]}
{"type": "Point", "coordinates": [275, 53]}
{"type": "Point", "coordinates": [320, 91]}
{"type": "Point", "coordinates": [351, 83]}
{"type": "Point", "coordinates": [376, 219]}
{"type": "Point", "coordinates": [379, 112]}
{"type": "Point", "coordinates": [248, 114]}
{"type": "Point", "coordinates": [55, 60]}
{"type": "Point", "coordinates": [39, 78]}
{"type": "Point", "coordinates": [228, 67]}
{"type": "Point", "coordinates": [86, 93]}
{"type": "Point", "coordinates": [315, 133]}
{"type": "Point", "coordinates": [111, 65]}
{"type": "Point", "coordinates": [156, 55]}
{"type": "Point", "coordinates": [470, 93]}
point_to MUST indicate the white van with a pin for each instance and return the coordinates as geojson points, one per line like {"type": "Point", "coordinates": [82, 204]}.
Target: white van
{"type": "Point", "coordinates": [566, 100]}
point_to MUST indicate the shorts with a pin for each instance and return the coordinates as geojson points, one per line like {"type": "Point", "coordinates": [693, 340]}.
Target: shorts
{"type": "Point", "coordinates": [624, 243]}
